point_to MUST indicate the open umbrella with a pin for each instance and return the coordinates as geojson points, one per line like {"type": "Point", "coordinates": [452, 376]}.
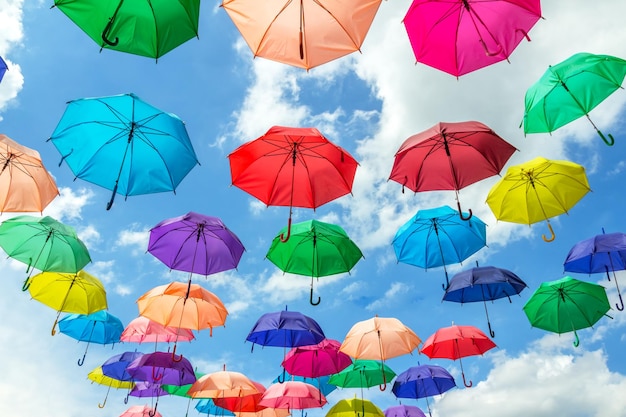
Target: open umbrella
{"type": "Point", "coordinates": [315, 249]}
{"type": "Point", "coordinates": [292, 395]}
{"type": "Point", "coordinates": [456, 342]}
{"type": "Point", "coordinates": [182, 390]}
{"type": "Point", "coordinates": [461, 36]}
{"type": "Point", "coordinates": [207, 406]}
{"type": "Point", "coordinates": [246, 403]}
{"type": "Point", "coordinates": [123, 144]}
{"type": "Point", "coordinates": [570, 90]}
{"type": "Point", "coordinates": [100, 327]}
{"type": "Point", "coordinates": [439, 237]}
{"type": "Point", "coordinates": [317, 360]}
{"type": "Point", "coordinates": [355, 407]}
{"type": "Point", "coordinates": [567, 305]}
{"type": "Point", "coordinates": [116, 366]}
{"type": "Point", "coordinates": [305, 33]}
{"type": "Point", "coordinates": [149, 29]}
{"type": "Point", "coordinates": [266, 412]}
{"type": "Point", "coordinates": [98, 376]}
{"type": "Point", "coordinates": [423, 381]}
{"type": "Point", "coordinates": [450, 156]}
{"type": "Point", "coordinates": [404, 411]}
{"type": "Point", "coordinates": [601, 253]}
{"type": "Point", "coordinates": [294, 167]}
{"type": "Point", "coordinates": [141, 411]}
{"type": "Point", "coordinates": [223, 384]}
{"type": "Point", "coordinates": [486, 283]}
{"type": "Point", "coordinates": [538, 190]}
{"type": "Point", "coordinates": [25, 183]}
{"type": "Point", "coordinates": [142, 329]}
{"type": "Point", "coordinates": [363, 373]}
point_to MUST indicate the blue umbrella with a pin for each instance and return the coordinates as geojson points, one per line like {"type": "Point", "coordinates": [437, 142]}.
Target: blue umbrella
{"type": "Point", "coordinates": [99, 327]}
{"type": "Point", "coordinates": [422, 382]}
{"type": "Point", "coordinates": [115, 367]}
{"type": "Point", "coordinates": [601, 253]}
{"type": "Point", "coordinates": [124, 144]}
{"type": "Point", "coordinates": [438, 237]}
{"type": "Point", "coordinates": [485, 283]}
{"type": "Point", "coordinates": [207, 406]}
{"type": "Point", "coordinates": [3, 68]}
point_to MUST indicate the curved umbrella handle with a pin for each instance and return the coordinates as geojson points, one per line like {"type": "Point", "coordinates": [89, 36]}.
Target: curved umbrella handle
{"type": "Point", "coordinates": [110, 203]}
{"type": "Point", "coordinates": [468, 385]}
{"type": "Point", "coordinates": [458, 204]}
{"type": "Point", "coordinates": [620, 306]}
{"type": "Point", "coordinates": [26, 284]}
{"type": "Point", "coordinates": [53, 332]}
{"type": "Point", "coordinates": [154, 377]}
{"type": "Point", "coordinates": [180, 357]}
{"type": "Point", "coordinates": [319, 299]}
{"type": "Point", "coordinates": [82, 360]}
{"type": "Point", "coordinates": [103, 404]}
{"type": "Point", "coordinates": [576, 340]}
{"type": "Point", "coordinates": [126, 399]}
{"type": "Point", "coordinates": [551, 238]}
{"type": "Point", "coordinates": [610, 141]}
{"type": "Point", "coordinates": [281, 378]}
{"type": "Point", "coordinates": [491, 332]}
{"type": "Point", "coordinates": [384, 384]}
{"type": "Point", "coordinates": [283, 237]}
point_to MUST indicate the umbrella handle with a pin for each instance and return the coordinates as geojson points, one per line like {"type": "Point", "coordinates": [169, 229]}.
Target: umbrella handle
{"type": "Point", "coordinates": [491, 332]}
{"type": "Point", "coordinates": [154, 377]}
{"type": "Point", "coordinates": [458, 204]}
{"type": "Point", "coordinates": [576, 340]}
{"type": "Point", "coordinates": [620, 306]}
{"type": "Point", "coordinates": [551, 238]}
{"type": "Point", "coordinates": [384, 384]}
{"type": "Point", "coordinates": [468, 385]}
{"type": "Point", "coordinates": [319, 299]}
{"type": "Point", "coordinates": [103, 404]}
{"type": "Point", "coordinates": [610, 141]}
{"type": "Point", "coordinates": [53, 332]}
{"type": "Point", "coordinates": [110, 203]}
{"type": "Point", "coordinates": [281, 378]}
{"type": "Point", "coordinates": [105, 33]}
{"type": "Point", "coordinates": [26, 284]}
{"type": "Point", "coordinates": [180, 357]}
{"type": "Point", "coordinates": [81, 361]}
{"type": "Point", "coordinates": [284, 238]}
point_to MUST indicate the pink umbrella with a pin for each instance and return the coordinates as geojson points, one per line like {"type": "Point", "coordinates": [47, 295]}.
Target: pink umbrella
{"type": "Point", "coordinates": [144, 330]}
{"type": "Point", "coordinates": [140, 411]}
{"type": "Point", "coordinates": [292, 395]}
{"type": "Point", "coordinates": [461, 36]}
{"type": "Point", "coordinates": [317, 360]}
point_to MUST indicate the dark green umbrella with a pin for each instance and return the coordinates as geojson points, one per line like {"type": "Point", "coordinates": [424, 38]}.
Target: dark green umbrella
{"type": "Point", "coordinates": [363, 373]}
{"type": "Point", "coordinates": [566, 305]}
{"type": "Point", "coordinates": [145, 28]}
{"type": "Point", "coordinates": [315, 249]}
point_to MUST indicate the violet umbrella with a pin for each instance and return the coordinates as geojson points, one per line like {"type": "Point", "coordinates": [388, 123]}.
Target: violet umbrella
{"type": "Point", "coordinates": [161, 368]}
{"type": "Point", "coordinates": [423, 381]}
{"type": "Point", "coordinates": [404, 411]}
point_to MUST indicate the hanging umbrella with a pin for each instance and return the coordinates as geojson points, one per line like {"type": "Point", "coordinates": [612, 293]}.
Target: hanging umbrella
{"type": "Point", "coordinates": [538, 190]}
{"type": "Point", "coordinates": [117, 365]}
{"type": "Point", "coordinates": [404, 411]}
{"type": "Point", "coordinates": [223, 384]}
{"type": "Point", "coordinates": [567, 305]}
{"type": "Point", "coordinates": [149, 29]}
{"type": "Point", "coordinates": [182, 390]}
{"type": "Point", "coordinates": [195, 243]}
{"type": "Point", "coordinates": [461, 36]}
{"type": "Point", "coordinates": [43, 243]}
{"type": "Point", "coordinates": [450, 156]}
{"type": "Point", "coordinates": [486, 283]}
{"type": "Point", "coordinates": [315, 249]}
{"type": "Point", "coordinates": [125, 145]}
{"type": "Point", "coordinates": [79, 293]}
{"type": "Point", "coordinates": [142, 329]}
{"type": "Point", "coordinates": [3, 68]}
{"type": "Point", "coordinates": [100, 327]}
{"type": "Point", "coordinates": [266, 412]}
{"type": "Point", "coordinates": [363, 373]}
{"type": "Point", "coordinates": [456, 342]}
{"type": "Point", "coordinates": [601, 253]}
{"type": "Point", "coordinates": [207, 406]}
{"type": "Point", "coordinates": [304, 34]}
{"type": "Point", "coordinates": [355, 407]}
{"type": "Point", "coordinates": [312, 361]}
{"type": "Point", "coordinates": [423, 381]}
{"type": "Point", "coordinates": [245, 403]}
{"type": "Point", "coordinates": [25, 184]}
{"type": "Point", "coordinates": [98, 376]}
{"type": "Point", "coordinates": [141, 411]}
{"type": "Point", "coordinates": [292, 395]}
{"type": "Point", "coordinates": [143, 389]}
{"type": "Point", "coordinates": [439, 237]}
{"type": "Point", "coordinates": [379, 338]}
{"type": "Point", "coordinates": [320, 382]}
{"type": "Point", "coordinates": [570, 90]}
{"type": "Point", "coordinates": [294, 167]}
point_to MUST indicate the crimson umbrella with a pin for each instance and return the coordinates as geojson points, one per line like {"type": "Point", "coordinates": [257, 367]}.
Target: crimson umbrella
{"type": "Point", "coordinates": [292, 167]}
{"type": "Point", "coordinates": [450, 156]}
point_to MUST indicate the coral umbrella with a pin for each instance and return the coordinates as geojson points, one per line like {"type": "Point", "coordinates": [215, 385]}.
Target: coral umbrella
{"type": "Point", "coordinates": [456, 342]}
{"type": "Point", "coordinates": [223, 384]}
{"type": "Point", "coordinates": [142, 329]}
{"type": "Point", "coordinates": [25, 183]}
{"type": "Point", "coordinates": [355, 407]}
{"type": "Point", "coordinates": [98, 376]}
{"type": "Point", "coordinates": [317, 360]}
{"type": "Point", "coordinates": [423, 381]}
{"type": "Point", "coordinates": [404, 411]}
{"type": "Point", "coordinates": [292, 395]}
{"type": "Point", "coordinates": [141, 411]}
{"type": "Point", "coordinates": [294, 167]}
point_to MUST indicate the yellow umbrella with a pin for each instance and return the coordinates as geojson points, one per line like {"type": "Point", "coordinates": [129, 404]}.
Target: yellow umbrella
{"type": "Point", "coordinates": [538, 190]}
{"type": "Point", "coordinates": [99, 377]}
{"type": "Point", "coordinates": [355, 407]}
{"type": "Point", "coordinates": [79, 293]}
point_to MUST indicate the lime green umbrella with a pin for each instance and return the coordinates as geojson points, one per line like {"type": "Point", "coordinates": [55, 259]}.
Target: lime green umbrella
{"type": "Point", "coordinates": [363, 373]}
{"type": "Point", "coordinates": [566, 305]}
{"type": "Point", "coordinates": [145, 28]}
{"type": "Point", "coordinates": [315, 249]}
{"type": "Point", "coordinates": [571, 89]}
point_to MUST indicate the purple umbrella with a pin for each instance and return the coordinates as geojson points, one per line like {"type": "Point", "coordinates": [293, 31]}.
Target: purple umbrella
{"type": "Point", "coordinates": [162, 368]}
{"type": "Point", "coordinates": [422, 382]}
{"type": "Point", "coordinates": [144, 389]}
{"type": "Point", "coordinates": [404, 411]}
{"type": "Point", "coordinates": [195, 243]}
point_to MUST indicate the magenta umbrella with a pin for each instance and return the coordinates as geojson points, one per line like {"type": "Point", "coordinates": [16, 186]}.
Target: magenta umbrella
{"type": "Point", "coordinates": [461, 36]}
{"type": "Point", "coordinates": [317, 360]}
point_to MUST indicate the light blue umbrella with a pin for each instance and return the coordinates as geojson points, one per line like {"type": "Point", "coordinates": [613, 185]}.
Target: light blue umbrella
{"type": "Point", "coordinates": [439, 237]}
{"type": "Point", "coordinates": [207, 406]}
{"type": "Point", "coordinates": [100, 327]}
{"type": "Point", "coordinates": [124, 144]}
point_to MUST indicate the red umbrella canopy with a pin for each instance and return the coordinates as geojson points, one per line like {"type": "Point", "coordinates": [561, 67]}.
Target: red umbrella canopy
{"type": "Point", "coordinates": [317, 360]}
{"type": "Point", "coordinates": [293, 395]}
{"type": "Point", "coordinates": [247, 403]}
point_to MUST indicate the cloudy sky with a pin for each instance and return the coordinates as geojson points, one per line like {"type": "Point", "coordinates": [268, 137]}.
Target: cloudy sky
{"type": "Point", "coordinates": [368, 103]}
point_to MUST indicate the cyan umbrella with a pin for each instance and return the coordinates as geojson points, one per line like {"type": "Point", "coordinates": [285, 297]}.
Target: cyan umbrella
{"type": "Point", "coordinates": [207, 406]}
{"type": "Point", "coordinates": [124, 144]}
{"type": "Point", "coordinates": [439, 237]}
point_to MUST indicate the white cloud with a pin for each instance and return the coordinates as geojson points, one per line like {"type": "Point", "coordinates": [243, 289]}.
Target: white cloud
{"type": "Point", "coordinates": [69, 204]}
{"type": "Point", "coordinates": [390, 296]}
{"type": "Point", "coordinates": [136, 237]}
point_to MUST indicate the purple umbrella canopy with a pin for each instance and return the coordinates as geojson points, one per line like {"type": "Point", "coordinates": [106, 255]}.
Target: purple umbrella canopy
{"type": "Point", "coordinates": [143, 389]}
{"type": "Point", "coordinates": [162, 368]}
{"type": "Point", "coordinates": [195, 243]}
{"type": "Point", "coordinates": [404, 411]}
{"type": "Point", "coordinates": [422, 382]}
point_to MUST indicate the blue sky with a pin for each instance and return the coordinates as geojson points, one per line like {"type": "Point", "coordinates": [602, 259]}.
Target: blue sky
{"type": "Point", "coordinates": [368, 103]}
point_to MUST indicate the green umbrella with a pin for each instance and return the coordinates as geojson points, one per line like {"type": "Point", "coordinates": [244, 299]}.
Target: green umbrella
{"type": "Point", "coordinates": [315, 249]}
{"type": "Point", "coordinates": [145, 28]}
{"type": "Point", "coordinates": [566, 305]}
{"type": "Point", "coordinates": [43, 243]}
{"type": "Point", "coordinates": [363, 373]}
{"type": "Point", "coordinates": [571, 89]}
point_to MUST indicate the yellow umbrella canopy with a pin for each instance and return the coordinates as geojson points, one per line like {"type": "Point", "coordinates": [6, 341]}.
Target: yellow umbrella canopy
{"type": "Point", "coordinates": [99, 377]}
{"type": "Point", "coordinates": [538, 190]}
{"type": "Point", "coordinates": [355, 407]}
{"type": "Point", "coordinates": [79, 293]}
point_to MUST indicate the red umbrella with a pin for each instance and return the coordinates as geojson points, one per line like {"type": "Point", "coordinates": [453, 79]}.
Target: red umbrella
{"type": "Point", "coordinates": [248, 403]}
{"type": "Point", "coordinates": [317, 360]}
{"type": "Point", "coordinates": [456, 342]}
{"type": "Point", "coordinates": [450, 156]}
{"type": "Point", "coordinates": [293, 395]}
{"type": "Point", "coordinates": [294, 167]}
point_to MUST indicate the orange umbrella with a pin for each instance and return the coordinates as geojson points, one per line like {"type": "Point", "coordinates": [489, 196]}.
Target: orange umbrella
{"type": "Point", "coordinates": [223, 384]}
{"type": "Point", "coordinates": [25, 184]}
{"type": "Point", "coordinates": [304, 33]}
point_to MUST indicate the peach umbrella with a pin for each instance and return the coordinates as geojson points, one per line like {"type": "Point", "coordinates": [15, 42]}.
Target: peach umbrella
{"type": "Point", "coordinates": [266, 412]}
{"type": "Point", "coordinates": [223, 384]}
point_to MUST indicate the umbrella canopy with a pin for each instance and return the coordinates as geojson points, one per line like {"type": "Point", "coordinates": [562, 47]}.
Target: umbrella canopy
{"type": "Point", "coordinates": [450, 156]}
{"type": "Point", "coordinates": [246, 403]}
{"type": "Point", "coordinates": [292, 395]}
{"type": "Point", "coordinates": [141, 411]}
{"type": "Point", "coordinates": [100, 327]}
{"type": "Point", "coordinates": [123, 144]}
{"type": "Point", "coordinates": [161, 368]}
{"type": "Point", "coordinates": [570, 90]}
{"type": "Point", "coordinates": [355, 407]}
{"type": "Point", "coordinates": [142, 329]}
{"type": "Point", "coordinates": [538, 190]}
{"type": "Point", "coordinates": [486, 283]}
{"type": "Point", "coordinates": [207, 406]}
{"type": "Point", "coordinates": [601, 253]}
{"type": "Point", "coordinates": [363, 373]}
{"type": "Point", "coordinates": [423, 381]}
{"type": "Point", "coordinates": [149, 29]}
{"type": "Point", "coordinates": [25, 184]}
{"type": "Point", "coordinates": [456, 342]}
{"type": "Point", "coordinates": [404, 411]}
{"type": "Point", "coordinates": [439, 237]}
{"type": "Point", "coordinates": [285, 329]}
{"type": "Point", "coordinates": [461, 36]}
{"type": "Point", "coordinates": [567, 305]}
{"type": "Point", "coordinates": [195, 243]}
{"type": "Point", "coordinates": [304, 34]}
{"type": "Point", "coordinates": [223, 384]}
{"type": "Point", "coordinates": [116, 366]}
{"type": "Point", "coordinates": [315, 249]}
{"type": "Point", "coordinates": [98, 376]}
{"type": "Point", "coordinates": [143, 389]}
{"type": "Point", "coordinates": [79, 293]}
{"type": "Point", "coordinates": [312, 361]}
{"type": "Point", "coordinates": [294, 167]}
